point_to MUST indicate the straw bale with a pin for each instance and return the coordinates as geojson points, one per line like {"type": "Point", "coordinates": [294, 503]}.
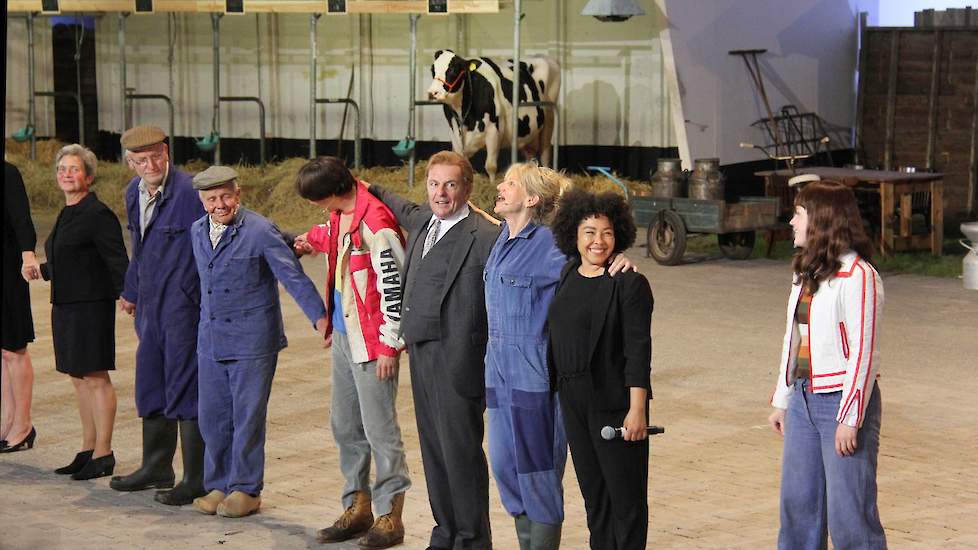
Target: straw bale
{"type": "Point", "coordinates": [269, 191]}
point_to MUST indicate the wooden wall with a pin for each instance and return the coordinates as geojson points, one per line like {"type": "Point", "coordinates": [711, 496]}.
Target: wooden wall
{"type": "Point", "coordinates": [918, 90]}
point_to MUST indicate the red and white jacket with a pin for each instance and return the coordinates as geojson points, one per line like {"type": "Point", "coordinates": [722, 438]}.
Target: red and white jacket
{"type": "Point", "coordinates": [843, 336]}
{"type": "Point", "coordinates": [366, 268]}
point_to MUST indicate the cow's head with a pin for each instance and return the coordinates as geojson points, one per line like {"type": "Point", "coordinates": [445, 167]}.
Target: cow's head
{"type": "Point", "coordinates": [448, 75]}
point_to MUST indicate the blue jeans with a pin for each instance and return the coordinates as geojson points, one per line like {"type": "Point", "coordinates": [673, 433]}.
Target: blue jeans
{"type": "Point", "coordinates": [822, 492]}
{"type": "Point", "coordinates": [363, 416]}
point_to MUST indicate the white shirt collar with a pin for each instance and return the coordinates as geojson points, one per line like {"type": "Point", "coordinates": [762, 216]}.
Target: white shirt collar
{"type": "Point", "coordinates": [449, 222]}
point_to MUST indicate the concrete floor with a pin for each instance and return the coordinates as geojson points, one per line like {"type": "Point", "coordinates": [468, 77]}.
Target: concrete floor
{"type": "Point", "coordinates": [714, 474]}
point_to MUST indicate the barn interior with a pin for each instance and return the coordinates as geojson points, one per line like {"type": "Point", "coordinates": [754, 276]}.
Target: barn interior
{"type": "Point", "coordinates": [699, 112]}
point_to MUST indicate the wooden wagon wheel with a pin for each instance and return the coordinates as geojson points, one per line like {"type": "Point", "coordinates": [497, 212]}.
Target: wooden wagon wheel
{"type": "Point", "coordinates": [667, 238]}
{"type": "Point", "coordinates": [737, 245]}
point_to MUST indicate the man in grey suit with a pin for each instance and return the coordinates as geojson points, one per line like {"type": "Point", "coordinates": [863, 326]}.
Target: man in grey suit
{"type": "Point", "coordinates": [443, 323]}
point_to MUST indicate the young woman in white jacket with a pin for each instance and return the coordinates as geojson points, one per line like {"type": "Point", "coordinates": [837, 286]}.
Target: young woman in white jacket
{"type": "Point", "coordinates": [826, 400]}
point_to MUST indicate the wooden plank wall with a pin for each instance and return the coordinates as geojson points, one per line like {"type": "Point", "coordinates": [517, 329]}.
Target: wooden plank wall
{"type": "Point", "coordinates": [918, 97]}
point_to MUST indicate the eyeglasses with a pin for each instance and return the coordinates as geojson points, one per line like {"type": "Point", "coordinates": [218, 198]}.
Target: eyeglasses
{"type": "Point", "coordinates": [154, 159]}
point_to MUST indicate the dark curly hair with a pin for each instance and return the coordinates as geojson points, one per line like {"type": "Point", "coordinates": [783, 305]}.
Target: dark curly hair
{"type": "Point", "coordinates": [577, 205]}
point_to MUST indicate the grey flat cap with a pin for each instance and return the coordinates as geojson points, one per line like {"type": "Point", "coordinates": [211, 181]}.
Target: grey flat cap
{"type": "Point", "coordinates": [215, 176]}
{"type": "Point", "coordinates": [140, 137]}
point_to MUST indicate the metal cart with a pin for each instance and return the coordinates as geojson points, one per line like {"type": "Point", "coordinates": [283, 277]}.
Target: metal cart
{"type": "Point", "coordinates": [671, 220]}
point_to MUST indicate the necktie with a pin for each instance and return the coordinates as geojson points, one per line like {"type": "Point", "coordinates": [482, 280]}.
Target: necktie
{"type": "Point", "coordinates": [432, 237]}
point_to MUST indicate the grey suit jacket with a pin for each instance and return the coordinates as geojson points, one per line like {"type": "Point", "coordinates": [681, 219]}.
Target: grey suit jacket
{"type": "Point", "coordinates": [464, 329]}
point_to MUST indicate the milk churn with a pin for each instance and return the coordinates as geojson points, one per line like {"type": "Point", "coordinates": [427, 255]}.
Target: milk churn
{"type": "Point", "coordinates": [668, 179]}
{"type": "Point", "coordinates": [706, 181]}
{"type": "Point", "coordinates": [969, 271]}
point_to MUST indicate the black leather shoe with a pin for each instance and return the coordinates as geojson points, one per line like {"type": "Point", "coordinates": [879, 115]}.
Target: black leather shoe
{"type": "Point", "coordinates": [96, 467]}
{"type": "Point", "coordinates": [27, 443]}
{"type": "Point", "coordinates": [81, 459]}
{"type": "Point", "coordinates": [3, 443]}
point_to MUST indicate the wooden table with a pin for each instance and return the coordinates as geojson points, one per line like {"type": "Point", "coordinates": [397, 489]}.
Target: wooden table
{"type": "Point", "coordinates": [896, 192]}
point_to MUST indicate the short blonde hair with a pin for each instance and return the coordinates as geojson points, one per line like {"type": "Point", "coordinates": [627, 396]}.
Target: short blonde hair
{"type": "Point", "coordinates": [88, 158]}
{"type": "Point", "coordinates": [544, 183]}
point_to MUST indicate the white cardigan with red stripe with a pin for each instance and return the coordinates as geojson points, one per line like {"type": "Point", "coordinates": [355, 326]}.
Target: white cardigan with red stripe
{"type": "Point", "coordinates": [843, 337]}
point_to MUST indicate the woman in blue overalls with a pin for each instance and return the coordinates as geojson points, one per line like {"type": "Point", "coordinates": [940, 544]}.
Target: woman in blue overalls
{"type": "Point", "coordinates": [527, 446]}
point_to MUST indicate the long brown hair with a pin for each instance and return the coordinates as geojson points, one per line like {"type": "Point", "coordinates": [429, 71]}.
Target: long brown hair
{"type": "Point", "coordinates": [834, 228]}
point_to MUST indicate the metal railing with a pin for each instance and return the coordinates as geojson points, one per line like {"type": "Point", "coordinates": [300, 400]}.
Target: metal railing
{"type": "Point", "coordinates": [81, 110]}
{"type": "Point", "coordinates": [261, 120]}
{"type": "Point", "coordinates": [356, 128]}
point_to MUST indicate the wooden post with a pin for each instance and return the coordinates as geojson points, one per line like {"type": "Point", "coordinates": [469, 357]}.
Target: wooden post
{"type": "Point", "coordinates": [906, 210]}
{"type": "Point", "coordinates": [973, 165]}
{"type": "Point", "coordinates": [937, 217]}
{"type": "Point", "coordinates": [860, 89]}
{"type": "Point", "coordinates": [891, 100]}
{"type": "Point", "coordinates": [886, 217]}
{"type": "Point", "coordinates": [935, 70]}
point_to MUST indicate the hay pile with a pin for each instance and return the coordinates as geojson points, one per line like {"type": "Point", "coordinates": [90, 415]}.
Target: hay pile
{"type": "Point", "coordinates": [269, 191]}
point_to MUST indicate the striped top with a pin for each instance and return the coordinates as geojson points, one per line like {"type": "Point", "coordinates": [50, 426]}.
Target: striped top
{"type": "Point", "coordinates": [803, 363]}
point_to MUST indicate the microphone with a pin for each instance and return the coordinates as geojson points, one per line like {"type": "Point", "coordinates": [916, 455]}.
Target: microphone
{"type": "Point", "coordinates": [608, 433]}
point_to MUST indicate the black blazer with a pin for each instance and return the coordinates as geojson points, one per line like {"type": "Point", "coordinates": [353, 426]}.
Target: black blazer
{"type": "Point", "coordinates": [86, 257]}
{"type": "Point", "coordinates": [621, 340]}
{"type": "Point", "coordinates": [464, 330]}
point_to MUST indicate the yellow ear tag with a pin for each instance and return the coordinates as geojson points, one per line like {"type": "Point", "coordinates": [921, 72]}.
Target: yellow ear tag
{"type": "Point", "coordinates": [472, 66]}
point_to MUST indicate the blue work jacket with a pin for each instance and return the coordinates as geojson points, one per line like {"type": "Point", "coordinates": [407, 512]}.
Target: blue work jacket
{"type": "Point", "coordinates": [521, 277]}
{"type": "Point", "coordinates": [162, 279]}
{"type": "Point", "coordinates": [240, 313]}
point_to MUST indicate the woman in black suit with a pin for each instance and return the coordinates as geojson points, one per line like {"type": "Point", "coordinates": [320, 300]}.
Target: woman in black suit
{"type": "Point", "coordinates": [86, 264]}
{"type": "Point", "coordinates": [19, 239]}
{"type": "Point", "coordinates": [600, 357]}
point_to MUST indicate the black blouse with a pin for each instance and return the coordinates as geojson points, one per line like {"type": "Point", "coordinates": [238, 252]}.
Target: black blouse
{"type": "Point", "coordinates": [86, 256]}
{"type": "Point", "coordinates": [18, 229]}
{"type": "Point", "coordinates": [570, 323]}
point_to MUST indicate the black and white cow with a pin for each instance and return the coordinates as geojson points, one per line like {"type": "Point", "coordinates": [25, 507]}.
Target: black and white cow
{"type": "Point", "coordinates": [478, 98]}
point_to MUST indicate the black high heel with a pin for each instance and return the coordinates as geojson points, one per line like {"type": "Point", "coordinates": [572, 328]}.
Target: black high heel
{"type": "Point", "coordinates": [96, 467]}
{"type": "Point", "coordinates": [81, 459]}
{"type": "Point", "coordinates": [28, 442]}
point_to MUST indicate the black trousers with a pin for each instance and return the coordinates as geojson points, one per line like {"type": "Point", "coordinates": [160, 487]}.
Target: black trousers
{"type": "Point", "coordinates": [613, 475]}
{"type": "Point", "coordinates": [451, 429]}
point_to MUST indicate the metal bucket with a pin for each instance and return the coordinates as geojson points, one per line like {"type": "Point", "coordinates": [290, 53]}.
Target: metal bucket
{"type": "Point", "coordinates": [668, 181]}
{"type": "Point", "coordinates": [969, 269]}
{"type": "Point", "coordinates": [706, 181]}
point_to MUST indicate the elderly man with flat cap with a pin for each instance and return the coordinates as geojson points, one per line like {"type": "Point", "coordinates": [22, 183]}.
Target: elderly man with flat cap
{"type": "Point", "coordinates": [162, 291]}
{"type": "Point", "coordinates": [239, 256]}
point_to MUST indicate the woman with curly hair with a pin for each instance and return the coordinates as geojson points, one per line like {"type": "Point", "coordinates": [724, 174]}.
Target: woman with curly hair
{"type": "Point", "coordinates": [826, 401]}
{"type": "Point", "coordinates": [600, 354]}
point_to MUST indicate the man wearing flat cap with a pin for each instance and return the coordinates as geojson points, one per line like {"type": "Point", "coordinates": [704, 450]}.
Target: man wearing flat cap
{"type": "Point", "coordinates": [240, 255]}
{"type": "Point", "coordinates": [162, 291]}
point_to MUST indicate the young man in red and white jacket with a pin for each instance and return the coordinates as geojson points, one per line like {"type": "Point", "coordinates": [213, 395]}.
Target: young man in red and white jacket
{"type": "Point", "coordinates": [365, 250]}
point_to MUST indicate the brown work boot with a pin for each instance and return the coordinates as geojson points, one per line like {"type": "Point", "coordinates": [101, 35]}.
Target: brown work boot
{"type": "Point", "coordinates": [354, 522]}
{"type": "Point", "coordinates": [388, 530]}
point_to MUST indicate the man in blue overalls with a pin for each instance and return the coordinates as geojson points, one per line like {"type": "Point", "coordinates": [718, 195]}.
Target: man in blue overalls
{"type": "Point", "coordinates": [240, 256]}
{"type": "Point", "coordinates": [162, 291]}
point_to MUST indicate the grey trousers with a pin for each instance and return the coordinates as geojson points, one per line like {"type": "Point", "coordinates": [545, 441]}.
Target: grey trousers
{"type": "Point", "coordinates": [363, 416]}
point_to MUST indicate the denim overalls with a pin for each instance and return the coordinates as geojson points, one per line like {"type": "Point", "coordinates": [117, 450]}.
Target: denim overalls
{"type": "Point", "coordinates": [527, 445]}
